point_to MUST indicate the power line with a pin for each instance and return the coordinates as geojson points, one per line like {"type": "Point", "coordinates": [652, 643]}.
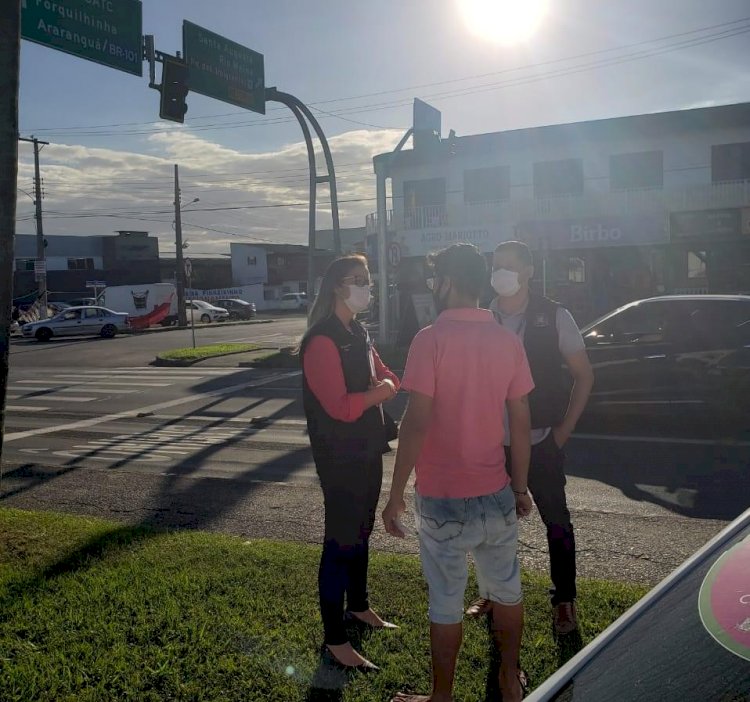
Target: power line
{"type": "Point", "coordinates": [696, 41]}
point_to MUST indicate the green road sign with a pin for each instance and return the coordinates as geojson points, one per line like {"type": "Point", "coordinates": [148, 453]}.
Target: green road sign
{"type": "Point", "coordinates": [223, 69]}
{"type": "Point", "coordinates": [104, 31]}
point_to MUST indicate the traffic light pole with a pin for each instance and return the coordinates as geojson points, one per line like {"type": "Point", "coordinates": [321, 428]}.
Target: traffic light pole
{"type": "Point", "coordinates": [10, 47]}
{"type": "Point", "coordinates": [180, 272]}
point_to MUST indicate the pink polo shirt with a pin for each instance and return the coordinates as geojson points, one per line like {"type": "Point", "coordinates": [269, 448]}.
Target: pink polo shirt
{"type": "Point", "coordinates": [469, 365]}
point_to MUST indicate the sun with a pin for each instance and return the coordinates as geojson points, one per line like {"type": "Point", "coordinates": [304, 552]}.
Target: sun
{"type": "Point", "coordinates": [503, 21]}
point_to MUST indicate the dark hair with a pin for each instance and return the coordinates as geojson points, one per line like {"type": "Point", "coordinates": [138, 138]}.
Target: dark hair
{"type": "Point", "coordinates": [521, 251]}
{"type": "Point", "coordinates": [464, 265]}
{"type": "Point", "coordinates": [325, 301]}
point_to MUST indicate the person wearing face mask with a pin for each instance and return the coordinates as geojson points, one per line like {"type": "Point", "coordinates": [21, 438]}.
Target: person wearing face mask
{"type": "Point", "coordinates": [461, 373]}
{"type": "Point", "coordinates": [551, 339]}
{"type": "Point", "coordinates": [344, 385]}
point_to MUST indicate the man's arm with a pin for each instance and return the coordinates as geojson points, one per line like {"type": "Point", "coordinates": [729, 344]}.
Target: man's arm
{"type": "Point", "coordinates": [412, 434]}
{"type": "Point", "coordinates": [583, 381]}
{"type": "Point", "coordinates": [519, 420]}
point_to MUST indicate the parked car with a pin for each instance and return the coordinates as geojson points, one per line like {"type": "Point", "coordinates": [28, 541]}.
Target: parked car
{"type": "Point", "coordinates": [238, 309]}
{"type": "Point", "coordinates": [680, 359]}
{"type": "Point", "coordinates": [293, 301]}
{"type": "Point", "coordinates": [688, 639]}
{"type": "Point", "coordinates": [205, 312]}
{"type": "Point", "coordinates": [78, 321]}
{"type": "Point", "coordinates": [14, 327]}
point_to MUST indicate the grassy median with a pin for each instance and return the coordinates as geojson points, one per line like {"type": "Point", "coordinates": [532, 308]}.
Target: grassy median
{"type": "Point", "coordinates": [200, 353]}
{"type": "Point", "coordinates": [93, 610]}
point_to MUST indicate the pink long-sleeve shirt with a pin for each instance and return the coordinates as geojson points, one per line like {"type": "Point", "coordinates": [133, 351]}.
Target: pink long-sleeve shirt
{"type": "Point", "coordinates": [325, 377]}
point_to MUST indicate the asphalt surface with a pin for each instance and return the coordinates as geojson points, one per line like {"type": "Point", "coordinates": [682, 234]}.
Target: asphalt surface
{"type": "Point", "coordinates": [133, 350]}
{"type": "Point", "coordinates": [224, 448]}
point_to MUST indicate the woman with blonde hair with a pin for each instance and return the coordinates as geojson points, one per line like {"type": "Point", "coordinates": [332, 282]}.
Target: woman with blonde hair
{"type": "Point", "coordinates": [344, 384]}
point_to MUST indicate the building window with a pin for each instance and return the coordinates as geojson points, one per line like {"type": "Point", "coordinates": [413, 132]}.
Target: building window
{"type": "Point", "coordinates": [25, 264]}
{"type": "Point", "coordinates": [576, 270]}
{"type": "Point", "coordinates": [634, 171]}
{"type": "Point", "coordinates": [696, 265]}
{"type": "Point", "coordinates": [558, 178]}
{"type": "Point", "coordinates": [424, 203]}
{"type": "Point", "coordinates": [487, 184]}
{"type": "Point", "coordinates": [252, 260]}
{"type": "Point", "coordinates": [80, 264]}
{"type": "Point", "coordinates": [730, 162]}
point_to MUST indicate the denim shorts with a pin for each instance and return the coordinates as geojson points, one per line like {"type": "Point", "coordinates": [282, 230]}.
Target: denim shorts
{"type": "Point", "coordinates": [451, 528]}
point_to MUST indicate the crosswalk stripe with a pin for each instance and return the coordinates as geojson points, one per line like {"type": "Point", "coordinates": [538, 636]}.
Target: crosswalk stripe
{"type": "Point", "coordinates": [171, 371]}
{"type": "Point", "coordinates": [99, 382]}
{"type": "Point", "coordinates": [54, 398]}
{"type": "Point", "coordinates": [104, 378]}
{"type": "Point", "coordinates": [77, 388]}
{"type": "Point", "coordinates": [25, 408]}
{"type": "Point", "coordinates": [131, 447]}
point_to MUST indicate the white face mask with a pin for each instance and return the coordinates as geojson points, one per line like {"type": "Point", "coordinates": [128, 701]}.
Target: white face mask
{"type": "Point", "coordinates": [359, 298]}
{"type": "Point", "coordinates": [505, 282]}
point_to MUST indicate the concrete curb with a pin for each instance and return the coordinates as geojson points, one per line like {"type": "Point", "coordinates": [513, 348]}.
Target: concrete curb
{"type": "Point", "coordinates": [182, 362]}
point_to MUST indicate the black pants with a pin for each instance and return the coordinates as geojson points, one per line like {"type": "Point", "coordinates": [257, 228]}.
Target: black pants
{"type": "Point", "coordinates": [351, 489]}
{"type": "Point", "coordinates": [547, 485]}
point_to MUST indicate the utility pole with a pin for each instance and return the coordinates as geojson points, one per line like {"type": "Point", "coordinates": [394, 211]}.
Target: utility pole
{"type": "Point", "coordinates": [10, 48]}
{"type": "Point", "coordinates": [40, 269]}
{"type": "Point", "coordinates": [180, 272]}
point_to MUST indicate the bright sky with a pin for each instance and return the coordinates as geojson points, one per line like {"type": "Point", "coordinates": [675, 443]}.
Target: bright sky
{"type": "Point", "coordinates": [536, 62]}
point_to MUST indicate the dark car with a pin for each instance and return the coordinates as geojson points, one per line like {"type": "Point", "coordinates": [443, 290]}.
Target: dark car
{"type": "Point", "coordinates": [680, 362]}
{"type": "Point", "coordinates": [688, 639]}
{"type": "Point", "coordinates": [238, 309]}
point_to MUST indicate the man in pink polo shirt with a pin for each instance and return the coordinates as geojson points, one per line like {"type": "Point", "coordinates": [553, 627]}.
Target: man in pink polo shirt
{"type": "Point", "coordinates": [461, 374]}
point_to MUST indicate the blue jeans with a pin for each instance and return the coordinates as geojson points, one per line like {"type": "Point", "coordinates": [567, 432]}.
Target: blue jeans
{"type": "Point", "coordinates": [450, 529]}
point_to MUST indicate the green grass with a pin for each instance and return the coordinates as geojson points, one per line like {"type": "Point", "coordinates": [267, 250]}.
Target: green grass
{"type": "Point", "coordinates": [92, 610]}
{"type": "Point", "coordinates": [201, 352]}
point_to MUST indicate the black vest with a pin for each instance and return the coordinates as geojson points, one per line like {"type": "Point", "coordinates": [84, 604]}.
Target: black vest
{"type": "Point", "coordinates": [548, 401]}
{"type": "Point", "coordinates": [329, 437]}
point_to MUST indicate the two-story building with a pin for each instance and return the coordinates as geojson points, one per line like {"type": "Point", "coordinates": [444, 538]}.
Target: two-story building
{"type": "Point", "coordinates": [128, 257]}
{"type": "Point", "coordinates": [614, 209]}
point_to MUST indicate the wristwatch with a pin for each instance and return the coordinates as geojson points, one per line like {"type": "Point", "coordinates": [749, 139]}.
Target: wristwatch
{"type": "Point", "coordinates": [518, 492]}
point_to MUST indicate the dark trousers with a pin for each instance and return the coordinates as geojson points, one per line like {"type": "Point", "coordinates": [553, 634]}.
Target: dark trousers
{"type": "Point", "coordinates": [351, 489]}
{"type": "Point", "coordinates": [547, 486]}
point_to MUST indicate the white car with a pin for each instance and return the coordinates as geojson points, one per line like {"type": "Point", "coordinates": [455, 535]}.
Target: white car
{"type": "Point", "coordinates": [205, 312]}
{"type": "Point", "coordinates": [78, 321]}
{"type": "Point", "coordinates": [293, 301]}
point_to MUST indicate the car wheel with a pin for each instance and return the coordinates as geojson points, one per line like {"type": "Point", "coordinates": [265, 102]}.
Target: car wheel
{"type": "Point", "coordinates": [108, 331]}
{"type": "Point", "coordinates": [43, 334]}
{"type": "Point", "coordinates": [205, 318]}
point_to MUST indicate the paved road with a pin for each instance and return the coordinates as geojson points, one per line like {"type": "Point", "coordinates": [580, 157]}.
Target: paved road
{"type": "Point", "coordinates": [141, 349]}
{"type": "Point", "coordinates": [225, 449]}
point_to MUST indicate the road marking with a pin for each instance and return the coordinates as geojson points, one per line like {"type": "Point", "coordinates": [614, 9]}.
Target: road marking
{"type": "Point", "coordinates": [25, 408]}
{"type": "Point", "coordinates": [660, 440]}
{"type": "Point", "coordinates": [103, 381]}
{"type": "Point", "coordinates": [166, 369]}
{"type": "Point", "coordinates": [122, 376]}
{"type": "Point", "coordinates": [54, 398]}
{"type": "Point", "coordinates": [77, 388]}
{"type": "Point", "coordinates": [97, 382]}
{"type": "Point", "coordinates": [94, 421]}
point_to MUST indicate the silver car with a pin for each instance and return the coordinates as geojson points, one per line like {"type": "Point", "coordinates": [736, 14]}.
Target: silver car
{"type": "Point", "coordinates": [79, 321]}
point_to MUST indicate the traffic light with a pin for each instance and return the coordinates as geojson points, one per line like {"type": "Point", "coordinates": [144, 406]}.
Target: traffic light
{"type": "Point", "coordinates": [174, 90]}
